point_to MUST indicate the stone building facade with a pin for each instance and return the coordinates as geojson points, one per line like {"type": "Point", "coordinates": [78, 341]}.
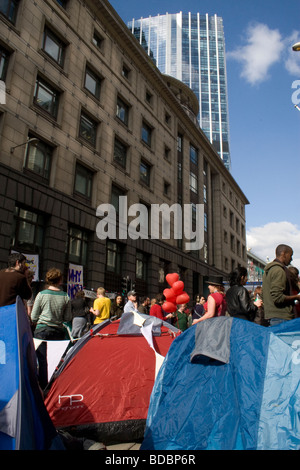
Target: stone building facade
{"type": "Point", "coordinates": [87, 119]}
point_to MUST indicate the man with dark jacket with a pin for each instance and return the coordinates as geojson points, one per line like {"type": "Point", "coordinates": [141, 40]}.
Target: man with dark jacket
{"type": "Point", "coordinates": [276, 289]}
{"type": "Point", "coordinates": [13, 281]}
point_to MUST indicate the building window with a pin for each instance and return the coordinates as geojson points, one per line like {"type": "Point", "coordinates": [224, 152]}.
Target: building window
{"type": "Point", "coordinates": [125, 72]}
{"type": "Point", "coordinates": [28, 230]}
{"type": "Point", "coordinates": [53, 46]}
{"type": "Point", "coordinates": [46, 97]}
{"type": "Point", "coordinates": [97, 40]}
{"type": "Point", "coordinates": [116, 192]}
{"type": "Point", "coordinates": [9, 9]}
{"type": "Point", "coordinates": [167, 118]}
{"type": "Point", "coordinates": [146, 134]}
{"type": "Point", "coordinates": [205, 222]}
{"type": "Point", "coordinates": [232, 243]}
{"type": "Point", "coordinates": [77, 244]}
{"type": "Point", "coordinates": [179, 172]}
{"type": "Point", "coordinates": [120, 153]}
{"type": "Point", "coordinates": [167, 153]}
{"type": "Point", "coordinates": [113, 257]}
{"type": "Point", "coordinates": [205, 253]}
{"type": "Point", "coordinates": [193, 183]}
{"type": "Point", "coordinates": [88, 129]}
{"type": "Point", "coordinates": [141, 266]}
{"type": "Point", "coordinates": [167, 188]}
{"type": "Point", "coordinates": [145, 170]}
{"type": "Point", "coordinates": [38, 158]}
{"type": "Point", "coordinates": [194, 215]}
{"type": "Point", "coordinates": [4, 56]}
{"type": "Point", "coordinates": [193, 155]}
{"type": "Point", "coordinates": [204, 193]}
{"type": "Point", "coordinates": [238, 248]}
{"type": "Point", "coordinates": [149, 97]}
{"type": "Point", "coordinates": [83, 181]}
{"type": "Point", "coordinates": [62, 3]}
{"type": "Point", "coordinates": [122, 111]}
{"type": "Point", "coordinates": [92, 83]}
{"type": "Point", "coordinates": [179, 143]}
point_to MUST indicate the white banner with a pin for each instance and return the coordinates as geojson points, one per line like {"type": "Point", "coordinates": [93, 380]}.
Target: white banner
{"type": "Point", "coordinates": [32, 263]}
{"type": "Point", "coordinates": [75, 279]}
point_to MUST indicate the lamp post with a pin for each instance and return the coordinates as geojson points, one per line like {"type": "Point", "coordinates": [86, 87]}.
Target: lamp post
{"type": "Point", "coordinates": [296, 47]}
{"type": "Point", "coordinates": [33, 139]}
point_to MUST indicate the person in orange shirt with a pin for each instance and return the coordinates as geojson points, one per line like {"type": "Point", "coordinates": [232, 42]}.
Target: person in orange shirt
{"type": "Point", "coordinates": [101, 307]}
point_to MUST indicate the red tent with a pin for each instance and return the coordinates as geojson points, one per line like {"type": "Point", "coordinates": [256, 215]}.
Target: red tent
{"type": "Point", "coordinates": [102, 390]}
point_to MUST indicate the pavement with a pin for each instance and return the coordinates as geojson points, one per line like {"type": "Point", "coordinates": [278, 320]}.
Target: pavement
{"type": "Point", "coordinates": [125, 446]}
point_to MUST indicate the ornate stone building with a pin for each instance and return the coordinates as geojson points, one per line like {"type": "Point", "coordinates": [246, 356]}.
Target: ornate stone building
{"type": "Point", "coordinates": [86, 119]}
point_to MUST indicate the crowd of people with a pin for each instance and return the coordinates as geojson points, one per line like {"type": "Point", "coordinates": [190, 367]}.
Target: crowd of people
{"type": "Point", "coordinates": [277, 300]}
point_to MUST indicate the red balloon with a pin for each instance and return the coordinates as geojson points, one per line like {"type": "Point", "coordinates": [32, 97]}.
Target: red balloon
{"type": "Point", "coordinates": [170, 295]}
{"type": "Point", "coordinates": [169, 307]}
{"type": "Point", "coordinates": [183, 298]}
{"type": "Point", "coordinates": [171, 278]}
{"type": "Point", "coordinates": [178, 287]}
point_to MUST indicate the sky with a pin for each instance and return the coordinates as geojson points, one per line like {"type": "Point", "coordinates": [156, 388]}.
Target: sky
{"type": "Point", "coordinates": [263, 81]}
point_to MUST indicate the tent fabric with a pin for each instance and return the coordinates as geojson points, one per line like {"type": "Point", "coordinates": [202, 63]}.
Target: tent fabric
{"type": "Point", "coordinates": [131, 322]}
{"type": "Point", "coordinates": [213, 340]}
{"type": "Point", "coordinates": [24, 421]}
{"type": "Point", "coordinates": [245, 399]}
{"type": "Point", "coordinates": [53, 351]}
{"type": "Point", "coordinates": [102, 390]}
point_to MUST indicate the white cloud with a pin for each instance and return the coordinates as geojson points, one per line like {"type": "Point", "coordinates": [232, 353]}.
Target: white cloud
{"type": "Point", "coordinates": [262, 49]}
{"type": "Point", "coordinates": [292, 58]}
{"type": "Point", "coordinates": [264, 240]}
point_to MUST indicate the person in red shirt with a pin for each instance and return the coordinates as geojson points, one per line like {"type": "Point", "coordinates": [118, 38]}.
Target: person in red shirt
{"type": "Point", "coordinates": [156, 309]}
{"type": "Point", "coordinates": [216, 305]}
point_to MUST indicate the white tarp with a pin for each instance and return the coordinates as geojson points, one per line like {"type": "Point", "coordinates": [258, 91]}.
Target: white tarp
{"type": "Point", "coordinates": [55, 351]}
{"type": "Point", "coordinates": [147, 333]}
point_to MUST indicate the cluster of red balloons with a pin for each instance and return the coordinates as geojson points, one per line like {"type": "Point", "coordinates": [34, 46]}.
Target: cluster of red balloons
{"type": "Point", "coordinates": [174, 295]}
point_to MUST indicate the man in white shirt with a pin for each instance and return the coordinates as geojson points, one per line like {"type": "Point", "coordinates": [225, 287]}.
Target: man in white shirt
{"type": "Point", "coordinates": [131, 303]}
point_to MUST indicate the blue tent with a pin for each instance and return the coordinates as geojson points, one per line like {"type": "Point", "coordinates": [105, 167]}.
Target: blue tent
{"type": "Point", "coordinates": [24, 420]}
{"type": "Point", "coordinates": [228, 384]}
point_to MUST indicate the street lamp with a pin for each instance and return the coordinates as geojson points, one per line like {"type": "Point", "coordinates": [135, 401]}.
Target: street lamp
{"type": "Point", "coordinates": [33, 139]}
{"type": "Point", "coordinates": [296, 47]}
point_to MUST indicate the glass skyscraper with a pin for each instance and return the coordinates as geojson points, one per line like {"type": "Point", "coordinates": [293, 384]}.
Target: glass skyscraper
{"type": "Point", "coordinates": [191, 48]}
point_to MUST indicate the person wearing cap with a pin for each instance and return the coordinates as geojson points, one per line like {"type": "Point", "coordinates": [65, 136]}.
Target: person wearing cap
{"type": "Point", "coordinates": [131, 303]}
{"type": "Point", "coordinates": [216, 302]}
